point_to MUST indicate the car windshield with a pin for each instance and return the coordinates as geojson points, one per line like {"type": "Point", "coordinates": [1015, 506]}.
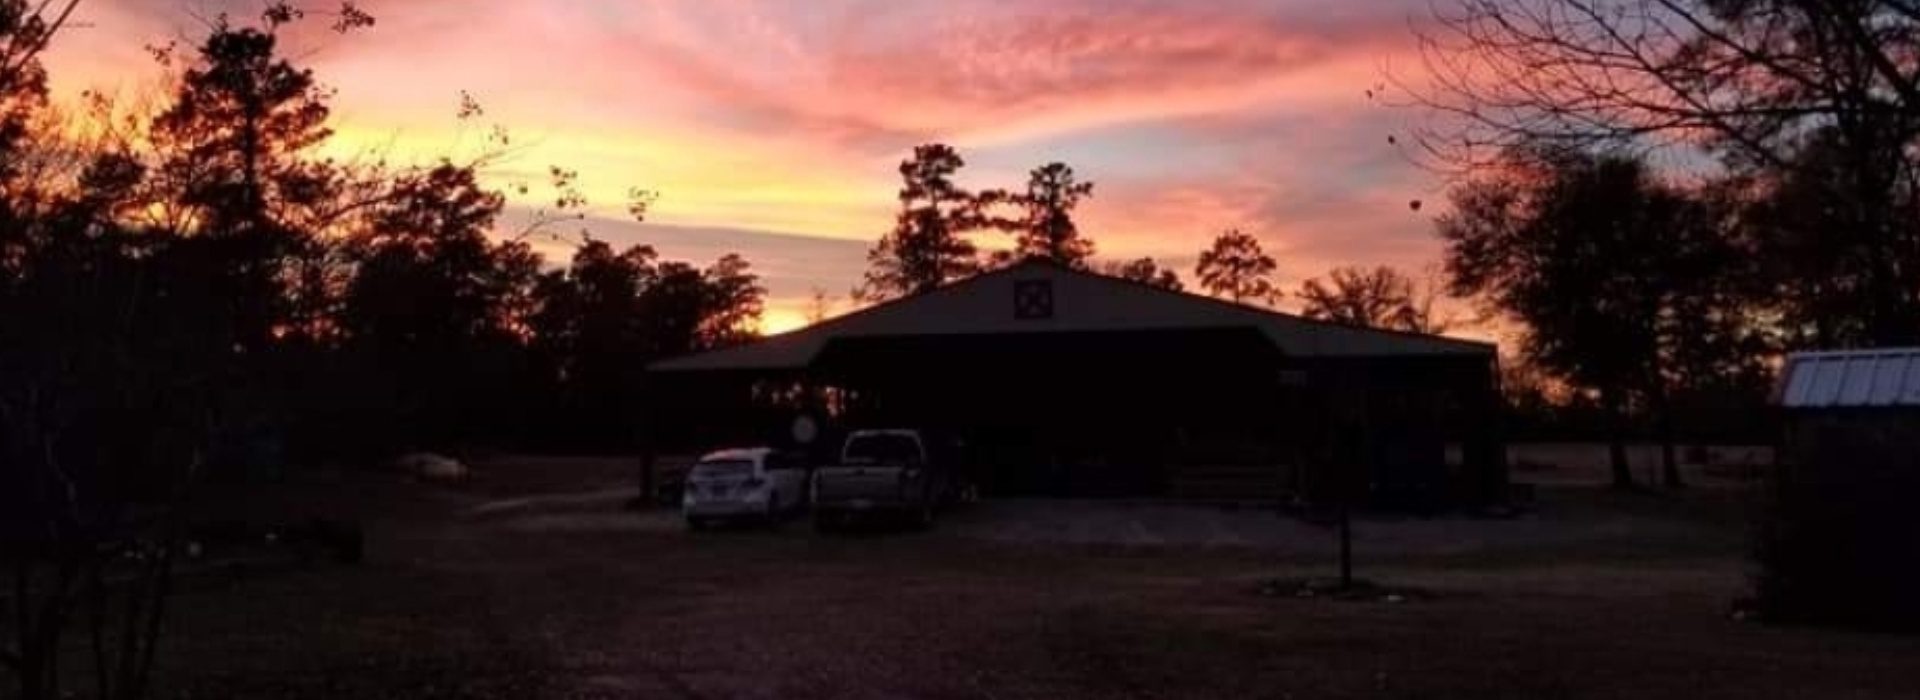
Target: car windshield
{"type": "Point", "coordinates": [723, 469]}
{"type": "Point", "coordinates": [882, 449]}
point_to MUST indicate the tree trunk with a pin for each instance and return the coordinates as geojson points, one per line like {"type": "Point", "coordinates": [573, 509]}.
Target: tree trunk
{"type": "Point", "coordinates": [647, 487]}
{"type": "Point", "coordinates": [1616, 438]}
{"type": "Point", "coordinates": [1669, 466]}
{"type": "Point", "coordinates": [1346, 544]}
{"type": "Point", "coordinates": [135, 685]}
{"type": "Point", "coordinates": [27, 661]}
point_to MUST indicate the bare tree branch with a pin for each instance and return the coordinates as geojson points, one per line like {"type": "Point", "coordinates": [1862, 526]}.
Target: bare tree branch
{"type": "Point", "coordinates": [1748, 78]}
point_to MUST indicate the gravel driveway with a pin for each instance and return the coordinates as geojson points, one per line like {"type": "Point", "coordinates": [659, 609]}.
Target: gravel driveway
{"type": "Point", "coordinates": [554, 592]}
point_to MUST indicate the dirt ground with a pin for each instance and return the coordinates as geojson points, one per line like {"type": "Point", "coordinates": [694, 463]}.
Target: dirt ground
{"type": "Point", "coordinates": [1578, 463]}
{"type": "Point", "coordinates": [531, 583]}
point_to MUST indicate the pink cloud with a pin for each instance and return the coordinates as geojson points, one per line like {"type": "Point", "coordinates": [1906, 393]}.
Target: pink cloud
{"type": "Point", "coordinates": [969, 72]}
{"type": "Point", "coordinates": [1088, 63]}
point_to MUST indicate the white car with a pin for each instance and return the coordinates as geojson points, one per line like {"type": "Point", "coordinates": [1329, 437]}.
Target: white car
{"type": "Point", "coordinates": [758, 483]}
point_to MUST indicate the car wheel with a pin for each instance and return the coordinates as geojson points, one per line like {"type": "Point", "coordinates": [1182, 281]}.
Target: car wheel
{"type": "Point", "coordinates": [772, 515]}
{"type": "Point", "coordinates": [696, 524]}
{"type": "Point", "coordinates": [825, 522]}
{"type": "Point", "coordinates": [923, 518]}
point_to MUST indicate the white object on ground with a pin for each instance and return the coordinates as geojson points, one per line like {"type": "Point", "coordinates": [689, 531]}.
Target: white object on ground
{"type": "Point", "coordinates": [433, 467]}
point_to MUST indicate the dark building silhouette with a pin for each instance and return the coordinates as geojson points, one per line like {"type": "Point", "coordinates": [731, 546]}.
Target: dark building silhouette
{"type": "Point", "coordinates": [1061, 382]}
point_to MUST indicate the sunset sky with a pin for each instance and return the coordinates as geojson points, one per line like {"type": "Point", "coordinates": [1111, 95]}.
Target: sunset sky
{"type": "Point", "coordinates": [773, 128]}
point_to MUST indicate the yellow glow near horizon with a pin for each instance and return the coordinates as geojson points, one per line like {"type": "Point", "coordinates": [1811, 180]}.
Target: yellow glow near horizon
{"type": "Point", "coordinates": [781, 319]}
{"type": "Point", "coordinates": [700, 180]}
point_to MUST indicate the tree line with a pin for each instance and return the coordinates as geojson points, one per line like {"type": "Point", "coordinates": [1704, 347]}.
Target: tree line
{"type": "Point", "coordinates": [191, 290]}
{"type": "Point", "coordinates": [931, 244]}
{"type": "Point", "coordinates": [394, 296]}
{"type": "Point", "coordinates": [1665, 196]}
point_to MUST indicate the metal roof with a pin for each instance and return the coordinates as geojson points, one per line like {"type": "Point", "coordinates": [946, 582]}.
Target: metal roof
{"type": "Point", "coordinates": [1851, 379]}
{"type": "Point", "coordinates": [1042, 297]}
{"type": "Point", "coordinates": [742, 453]}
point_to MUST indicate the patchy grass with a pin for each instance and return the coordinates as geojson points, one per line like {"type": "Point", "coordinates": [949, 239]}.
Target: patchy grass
{"type": "Point", "coordinates": [625, 605]}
